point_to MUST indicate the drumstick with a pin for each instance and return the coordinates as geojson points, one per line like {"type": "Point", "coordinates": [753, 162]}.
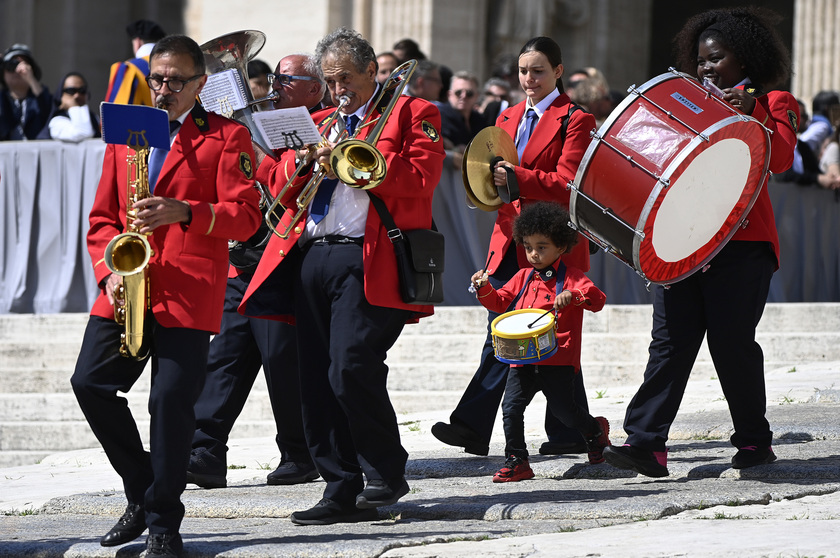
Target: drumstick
{"type": "Point", "coordinates": [547, 312]}
{"type": "Point", "coordinates": [472, 287]}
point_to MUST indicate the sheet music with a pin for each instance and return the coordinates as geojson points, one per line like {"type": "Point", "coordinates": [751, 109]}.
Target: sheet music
{"type": "Point", "coordinates": [223, 93]}
{"type": "Point", "coordinates": [290, 127]}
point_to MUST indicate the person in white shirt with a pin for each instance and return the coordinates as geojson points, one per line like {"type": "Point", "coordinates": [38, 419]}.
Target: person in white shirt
{"type": "Point", "coordinates": [72, 120]}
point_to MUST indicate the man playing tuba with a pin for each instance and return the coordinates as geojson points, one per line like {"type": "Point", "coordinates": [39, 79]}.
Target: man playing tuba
{"type": "Point", "coordinates": [204, 195]}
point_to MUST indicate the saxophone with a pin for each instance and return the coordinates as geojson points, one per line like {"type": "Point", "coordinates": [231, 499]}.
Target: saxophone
{"type": "Point", "coordinates": [127, 255]}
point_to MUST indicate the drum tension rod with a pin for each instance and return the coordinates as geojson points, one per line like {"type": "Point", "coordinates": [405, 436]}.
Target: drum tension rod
{"type": "Point", "coordinates": [629, 158]}
{"type": "Point", "coordinates": [668, 113]}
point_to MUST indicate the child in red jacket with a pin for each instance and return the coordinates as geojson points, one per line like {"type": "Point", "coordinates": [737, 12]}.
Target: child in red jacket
{"type": "Point", "coordinates": [543, 231]}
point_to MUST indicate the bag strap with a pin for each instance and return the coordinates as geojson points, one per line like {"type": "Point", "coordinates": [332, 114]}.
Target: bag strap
{"type": "Point", "coordinates": [558, 286]}
{"type": "Point", "coordinates": [394, 232]}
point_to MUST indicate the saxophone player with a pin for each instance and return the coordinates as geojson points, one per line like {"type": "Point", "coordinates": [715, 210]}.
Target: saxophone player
{"type": "Point", "coordinates": [202, 195]}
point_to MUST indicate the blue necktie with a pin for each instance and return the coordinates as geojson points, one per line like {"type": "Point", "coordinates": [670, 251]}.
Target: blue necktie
{"type": "Point", "coordinates": [530, 122]}
{"type": "Point", "coordinates": [158, 156]}
{"type": "Point", "coordinates": [321, 202]}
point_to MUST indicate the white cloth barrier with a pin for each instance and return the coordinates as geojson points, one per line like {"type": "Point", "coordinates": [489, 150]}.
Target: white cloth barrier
{"type": "Point", "coordinates": [48, 189]}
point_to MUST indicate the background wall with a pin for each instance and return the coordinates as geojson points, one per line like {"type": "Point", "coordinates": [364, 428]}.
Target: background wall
{"type": "Point", "coordinates": [629, 40]}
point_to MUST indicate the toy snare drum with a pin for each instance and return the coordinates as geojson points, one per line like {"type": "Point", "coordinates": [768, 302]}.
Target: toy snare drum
{"type": "Point", "coordinates": [669, 177]}
{"type": "Point", "coordinates": [524, 336]}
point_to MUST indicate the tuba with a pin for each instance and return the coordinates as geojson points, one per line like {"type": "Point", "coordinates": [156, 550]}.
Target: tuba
{"type": "Point", "coordinates": [233, 52]}
{"type": "Point", "coordinates": [127, 255]}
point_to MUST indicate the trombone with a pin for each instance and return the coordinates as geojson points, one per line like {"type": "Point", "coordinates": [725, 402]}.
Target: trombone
{"type": "Point", "coordinates": [357, 163]}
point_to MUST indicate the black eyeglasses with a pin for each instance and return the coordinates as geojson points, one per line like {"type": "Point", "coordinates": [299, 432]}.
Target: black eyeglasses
{"type": "Point", "coordinates": [74, 90]}
{"type": "Point", "coordinates": [468, 93]}
{"type": "Point", "coordinates": [286, 80]}
{"type": "Point", "coordinates": [176, 85]}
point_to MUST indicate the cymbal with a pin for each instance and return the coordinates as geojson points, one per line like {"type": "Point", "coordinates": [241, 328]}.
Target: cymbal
{"type": "Point", "coordinates": [489, 143]}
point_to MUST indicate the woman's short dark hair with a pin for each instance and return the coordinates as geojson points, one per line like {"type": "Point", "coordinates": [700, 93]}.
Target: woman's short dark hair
{"type": "Point", "coordinates": [551, 50]}
{"type": "Point", "coordinates": [546, 218]}
{"type": "Point", "coordinates": [749, 32]}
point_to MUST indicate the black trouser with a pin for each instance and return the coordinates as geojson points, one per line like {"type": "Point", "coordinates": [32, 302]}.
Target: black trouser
{"type": "Point", "coordinates": [725, 304]}
{"type": "Point", "coordinates": [350, 424]}
{"type": "Point", "coordinates": [480, 401]}
{"type": "Point", "coordinates": [237, 352]}
{"type": "Point", "coordinates": [557, 384]}
{"type": "Point", "coordinates": [157, 478]}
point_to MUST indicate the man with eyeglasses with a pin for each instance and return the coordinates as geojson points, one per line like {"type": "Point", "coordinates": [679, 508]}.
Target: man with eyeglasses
{"type": "Point", "coordinates": [347, 303]}
{"type": "Point", "coordinates": [202, 194]}
{"type": "Point", "coordinates": [127, 82]}
{"type": "Point", "coordinates": [460, 121]}
{"type": "Point", "coordinates": [244, 344]}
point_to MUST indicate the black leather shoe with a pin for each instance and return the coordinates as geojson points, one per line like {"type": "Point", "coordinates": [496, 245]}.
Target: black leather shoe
{"type": "Point", "coordinates": [461, 436]}
{"type": "Point", "coordinates": [646, 462]}
{"type": "Point", "coordinates": [206, 470]}
{"type": "Point", "coordinates": [750, 456]}
{"type": "Point", "coordinates": [130, 526]}
{"type": "Point", "coordinates": [166, 545]}
{"type": "Point", "coordinates": [378, 493]}
{"type": "Point", "coordinates": [562, 448]}
{"type": "Point", "coordinates": [291, 472]}
{"type": "Point", "coordinates": [327, 512]}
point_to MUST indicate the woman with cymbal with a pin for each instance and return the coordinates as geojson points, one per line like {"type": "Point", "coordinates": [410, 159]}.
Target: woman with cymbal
{"type": "Point", "coordinates": [551, 135]}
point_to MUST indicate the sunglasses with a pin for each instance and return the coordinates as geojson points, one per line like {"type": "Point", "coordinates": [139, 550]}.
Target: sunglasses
{"type": "Point", "coordinates": [285, 80]}
{"type": "Point", "coordinates": [176, 85]}
{"type": "Point", "coordinates": [468, 93]}
{"type": "Point", "coordinates": [74, 90]}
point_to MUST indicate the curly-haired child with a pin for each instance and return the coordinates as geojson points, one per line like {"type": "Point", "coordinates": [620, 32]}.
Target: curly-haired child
{"type": "Point", "coordinates": [543, 231]}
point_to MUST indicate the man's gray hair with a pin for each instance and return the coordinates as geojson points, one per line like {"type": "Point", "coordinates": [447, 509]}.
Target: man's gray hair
{"type": "Point", "coordinates": [313, 69]}
{"type": "Point", "coordinates": [346, 42]}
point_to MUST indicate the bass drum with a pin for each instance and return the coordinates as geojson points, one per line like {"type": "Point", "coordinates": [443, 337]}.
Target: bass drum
{"type": "Point", "coordinates": [669, 177]}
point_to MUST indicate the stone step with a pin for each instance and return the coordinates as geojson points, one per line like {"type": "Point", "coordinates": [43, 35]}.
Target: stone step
{"type": "Point", "coordinates": [430, 365]}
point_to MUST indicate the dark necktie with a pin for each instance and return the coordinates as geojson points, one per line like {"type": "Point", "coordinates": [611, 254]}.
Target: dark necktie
{"type": "Point", "coordinates": [158, 156]}
{"type": "Point", "coordinates": [321, 202]}
{"type": "Point", "coordinates": [530, 122]}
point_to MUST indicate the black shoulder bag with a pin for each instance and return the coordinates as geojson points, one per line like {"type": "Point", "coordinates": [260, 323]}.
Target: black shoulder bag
{"type": "Point", "coordinates": [420, 256]}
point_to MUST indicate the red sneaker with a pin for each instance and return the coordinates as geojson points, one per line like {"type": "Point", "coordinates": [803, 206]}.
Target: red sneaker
{"type": "Point", "coordinates": [515, 469]}
{"type": "Point", "coordinates": [595, 445]}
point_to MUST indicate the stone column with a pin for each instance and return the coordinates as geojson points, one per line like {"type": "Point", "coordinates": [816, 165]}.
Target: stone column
{"type": "Point", "coordinates": [816, 48]}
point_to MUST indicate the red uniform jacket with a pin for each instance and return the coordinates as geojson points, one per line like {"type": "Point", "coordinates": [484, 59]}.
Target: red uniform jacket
{"type": "Point", "coordinates": [774, 110]}
{"type": "Point", "coordinates": [546, 168]}
{"type": "Point", "coordinates": [413, 151]}
{"type": "Point", "coordinates": [541, 293]}
{"type": "Point", "coordinates": [209, 166]}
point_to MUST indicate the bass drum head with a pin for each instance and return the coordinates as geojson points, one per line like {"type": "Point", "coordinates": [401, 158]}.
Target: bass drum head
{"type": "Point", "coordinates": [711, 188]}
{"type": "Point", "coordinates": [669, 177]}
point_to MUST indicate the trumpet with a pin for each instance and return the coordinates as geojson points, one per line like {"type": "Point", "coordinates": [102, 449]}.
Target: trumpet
{"type": "Point", "coordinates": [356, 163]}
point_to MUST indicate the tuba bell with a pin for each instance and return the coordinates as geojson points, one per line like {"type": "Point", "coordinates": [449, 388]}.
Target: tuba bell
{"type": "Point", "coordinates": [233, 52]}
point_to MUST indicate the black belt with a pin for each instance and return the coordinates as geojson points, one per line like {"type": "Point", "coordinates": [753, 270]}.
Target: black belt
{"type": "Point", "coordinates": [335, 239]}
